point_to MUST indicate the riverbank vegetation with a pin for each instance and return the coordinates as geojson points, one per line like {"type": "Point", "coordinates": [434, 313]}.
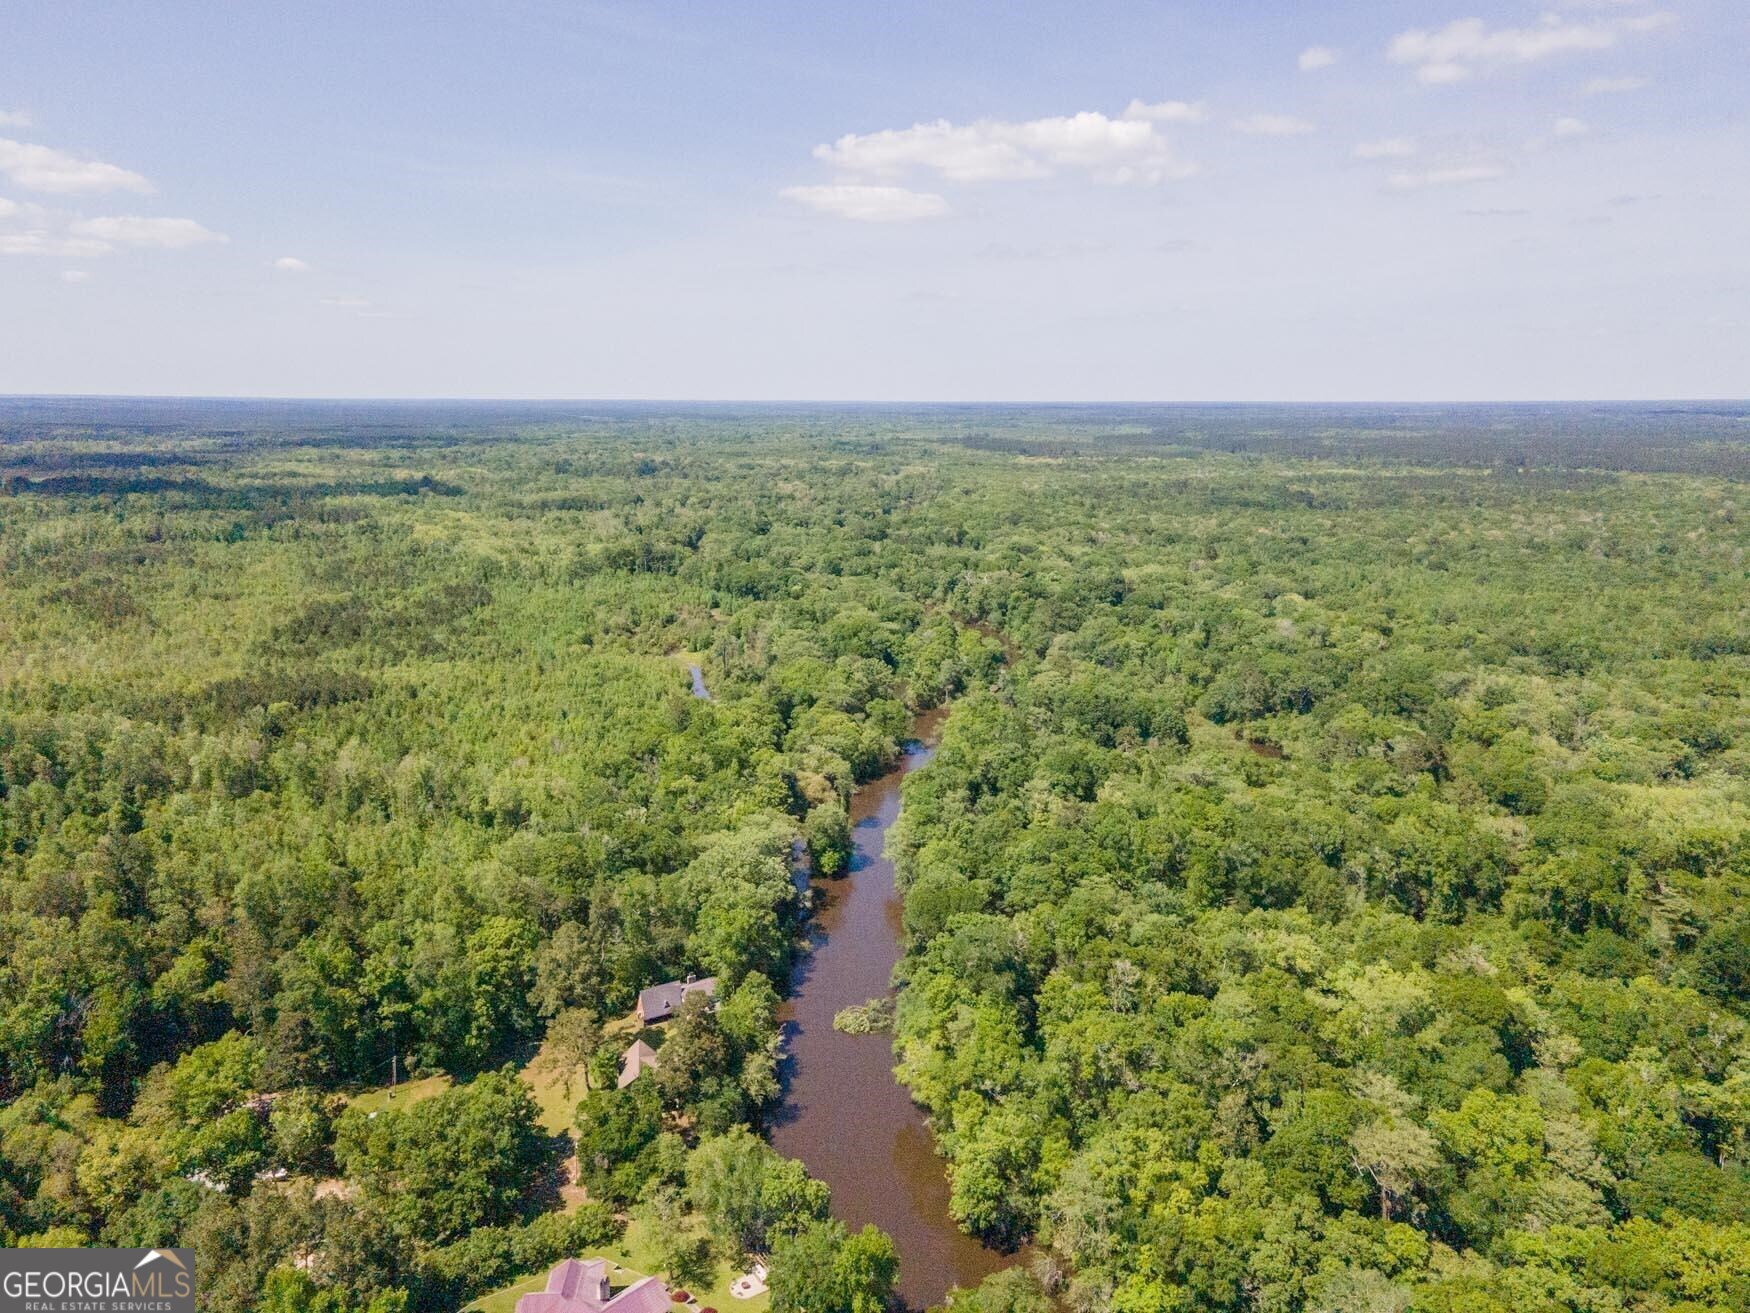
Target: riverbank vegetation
{"type": "Point", "coordinates": [1328, 894]}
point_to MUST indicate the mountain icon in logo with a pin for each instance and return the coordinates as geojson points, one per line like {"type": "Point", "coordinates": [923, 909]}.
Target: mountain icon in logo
{"type": "Point", "coordinates": [152, 1254]}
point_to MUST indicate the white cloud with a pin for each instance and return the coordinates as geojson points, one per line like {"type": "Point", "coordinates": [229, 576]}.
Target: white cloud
{"type": "Point", "coordinates": [1168, 111]}
{"type": "Point", "coordinates": [1121, 150]}
{"type": "Point", "coordinates": [14, 118]}
{"type": "Point", "coordinates": [36, 241]}
{"type": "Point", "coordinates": [980, 152]}
{"type": "Point", "coordinates": [1273, 125]}
{"type": "Point", "coordinates": [135, 230]}
{"type": "Point", "coordinates": [75, 276]}
{"type": "Point", "coordinates": [1457, 175]}
{"type": "Point", "coordinates": [1570, 127]}
{"type": "Point", "coordinates": [1614, 86]}
{"type": "Point", "coordinates": [1443, 72]}
{"type": "Point", "coordinates": [41, 230]}
{"type": "Point", "coordinates": [1469, 45]}
{"type": "Point", "coordinates": [291, 264]}
{"type": "Point", "coordinates": [41, 168]}
{"type": "Point", "coordinates": [46, 231]}
{"type": "Point", "coordinates": [869, 204]}
{"type": "Point", "coordinates": [1314, 58]}
{"type": "Point", "coordinates": [1387, 148]}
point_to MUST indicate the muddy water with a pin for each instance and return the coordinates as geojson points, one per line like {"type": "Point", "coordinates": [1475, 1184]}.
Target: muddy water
{"type": "Point", "coordinates": [844, 1114]}
{"type": "Point", "coordinates": [699, 689]}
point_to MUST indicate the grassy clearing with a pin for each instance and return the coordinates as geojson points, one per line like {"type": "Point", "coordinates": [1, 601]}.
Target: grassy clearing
{"type": "Point", "coordinates": [545, 1075]}
{"type": "Point", "coordinates": [408, 1092]}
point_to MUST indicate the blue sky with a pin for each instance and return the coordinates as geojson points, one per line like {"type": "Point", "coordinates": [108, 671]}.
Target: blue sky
{"type": "Point", "coordinates": [1402, 199]}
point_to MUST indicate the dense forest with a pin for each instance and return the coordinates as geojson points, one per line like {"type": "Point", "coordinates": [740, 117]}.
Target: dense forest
{"type": "Point", "coordinates": [1330, 893]}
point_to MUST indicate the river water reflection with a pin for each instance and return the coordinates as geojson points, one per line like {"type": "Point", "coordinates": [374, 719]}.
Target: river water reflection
{"type": "Point", "coordinates": [844, 1114]}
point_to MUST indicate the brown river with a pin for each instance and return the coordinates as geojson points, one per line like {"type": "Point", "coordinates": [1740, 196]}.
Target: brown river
{"type": "Point", "coordinates": [844, 1114]}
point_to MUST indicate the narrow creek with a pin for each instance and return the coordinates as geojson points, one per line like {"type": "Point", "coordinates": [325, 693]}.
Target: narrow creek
{"type": "Point", "coordinates": [844, 1115]}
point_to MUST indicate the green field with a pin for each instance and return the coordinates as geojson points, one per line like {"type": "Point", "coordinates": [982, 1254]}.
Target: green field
{"type": "Point", "coordinates": [407, 1093]}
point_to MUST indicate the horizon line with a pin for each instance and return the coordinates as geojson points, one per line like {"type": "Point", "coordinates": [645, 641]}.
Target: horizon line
{"type": "Point", "coordinates": [856, 401]}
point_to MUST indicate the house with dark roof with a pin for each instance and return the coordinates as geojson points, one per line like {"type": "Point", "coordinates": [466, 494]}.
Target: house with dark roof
{"type": "Point", "coordinates": [581, 1286]}
{"type": "Point", "coordinates": [659, 1002]}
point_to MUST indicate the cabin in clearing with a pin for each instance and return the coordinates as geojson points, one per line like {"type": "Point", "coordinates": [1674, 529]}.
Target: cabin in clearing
{"type": "Point", "coordinates": [659, 1002]}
